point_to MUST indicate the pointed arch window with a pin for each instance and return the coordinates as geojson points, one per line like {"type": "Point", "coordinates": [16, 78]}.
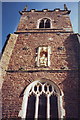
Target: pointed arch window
{"type": "Point", "coordinates": [41, 25]}
{"type": "Point", "coordinates": [41, 100]}
{"type": "Point", "coordinates": [45, 23]}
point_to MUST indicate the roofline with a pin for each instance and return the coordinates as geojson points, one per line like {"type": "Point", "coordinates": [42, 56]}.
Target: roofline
{"type": "Point", "coordinates": [46, 10]}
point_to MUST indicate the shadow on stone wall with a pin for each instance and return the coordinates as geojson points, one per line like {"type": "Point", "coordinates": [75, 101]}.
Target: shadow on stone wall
{"type": "Point", "coordinates": [71, 83]}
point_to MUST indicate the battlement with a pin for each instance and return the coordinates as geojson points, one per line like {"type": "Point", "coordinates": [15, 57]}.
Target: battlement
{"type": "Point", "coordinates": [65, 11]}
{"type": "Point", "coordinates": [45, 19]}
{"type": "Point", "coordinates": [47, 10]}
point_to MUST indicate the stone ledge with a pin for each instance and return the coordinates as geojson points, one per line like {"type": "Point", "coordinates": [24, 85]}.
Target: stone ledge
{"type": "Point", "coordinates": [44, 70]}
{"type": "Point", "coordinates": [38, 31]}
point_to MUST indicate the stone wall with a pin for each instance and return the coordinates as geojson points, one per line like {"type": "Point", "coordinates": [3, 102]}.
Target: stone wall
{"type": "Point", "coordinates": [30, 20]}
{"type": "Point", "coordinates": [16, 83]}
{"type": "Point", "coordinates": [22, 69]}
{"type": "Point", "coordinates": [24, 53]}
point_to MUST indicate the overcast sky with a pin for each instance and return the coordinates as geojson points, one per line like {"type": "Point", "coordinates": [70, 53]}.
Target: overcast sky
{"type": "Point", "coordinates": [11, 17]}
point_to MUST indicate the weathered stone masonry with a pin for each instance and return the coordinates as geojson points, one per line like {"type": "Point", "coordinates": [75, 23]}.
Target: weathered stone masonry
{"type": "Point", "coordinates": [19, 60]}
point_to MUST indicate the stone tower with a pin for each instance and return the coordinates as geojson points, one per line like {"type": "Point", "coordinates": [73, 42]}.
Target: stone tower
{"type": "Point", "coordinates": [40, 67]}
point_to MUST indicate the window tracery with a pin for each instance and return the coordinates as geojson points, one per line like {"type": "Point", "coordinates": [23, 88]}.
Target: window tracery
{"type": "Point", "coordinates": [41, 100]}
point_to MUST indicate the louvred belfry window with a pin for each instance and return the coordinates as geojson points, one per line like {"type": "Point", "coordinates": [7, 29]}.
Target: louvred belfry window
{"type": "Point", "coordinates": [43, 56]}
{"type": "Point", "coordinates": [41, 100]}
{"type": "Point", "coordinates": [44, 23]}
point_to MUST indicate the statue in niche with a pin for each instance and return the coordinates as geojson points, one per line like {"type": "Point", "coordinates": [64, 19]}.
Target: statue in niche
{"type": "Point", "coordinates": [43, 56]}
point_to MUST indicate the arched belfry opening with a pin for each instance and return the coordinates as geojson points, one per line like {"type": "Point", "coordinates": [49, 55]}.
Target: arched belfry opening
{"type": "Point", "coordinates": [45, 23]}
{"type": "Point", "coordinates": [41, 100]}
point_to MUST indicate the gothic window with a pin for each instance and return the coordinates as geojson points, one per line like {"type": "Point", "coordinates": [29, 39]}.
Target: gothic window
{"type": "Point", "coordinates": [41, 100]}
{"type": "Point", "coordinates": [43, 56]}
{"type": "Point", "coordinates": [44, 23]}
{"type": "Point", "coordinates": [41, 24]}
{"type": "Point", "coordinates": [47, 23]}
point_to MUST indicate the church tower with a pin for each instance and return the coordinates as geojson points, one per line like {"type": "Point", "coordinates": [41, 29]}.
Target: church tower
{"type": "Point", "coordinates": [40, 67]}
